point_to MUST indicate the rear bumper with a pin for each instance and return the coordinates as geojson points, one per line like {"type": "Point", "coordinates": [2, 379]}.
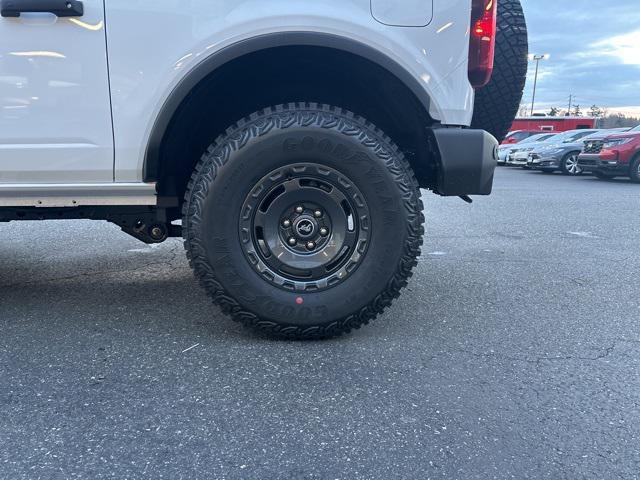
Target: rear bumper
{"type": "Point", "coordinates": [466, 163]}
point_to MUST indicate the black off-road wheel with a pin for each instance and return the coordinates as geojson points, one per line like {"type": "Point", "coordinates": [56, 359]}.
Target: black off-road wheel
{"type": "Point", "coordinates": [303, 221]}
{"type": "Point", "coordinates": [497, 103]}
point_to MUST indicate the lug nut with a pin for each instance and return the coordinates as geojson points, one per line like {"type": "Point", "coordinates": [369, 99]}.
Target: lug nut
{"type": "Point", "coordinates": [324, 231]}
{"type": "Point", "coordinates": [311, 245]}
{"type": "Point", "coordinates": [318, 213]}
{"type": "Point", "coordinates": [293, 242]}
{"type": "Point", "coordinates": [286, 223]}
{"type": "Point", "coordinates": [299, 209]}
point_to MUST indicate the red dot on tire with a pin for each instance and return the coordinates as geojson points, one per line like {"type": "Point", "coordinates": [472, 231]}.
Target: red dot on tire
{"type": "Point", "coordinates": [299, 300]}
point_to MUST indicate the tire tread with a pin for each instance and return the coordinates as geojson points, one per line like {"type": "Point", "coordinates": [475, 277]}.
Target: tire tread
{"type": "Point", "coordinates": [287, 116]}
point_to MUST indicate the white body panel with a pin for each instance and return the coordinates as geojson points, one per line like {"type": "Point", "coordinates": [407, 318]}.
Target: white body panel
{"type": "Point", "coordinates": [55, 115]}
{"type": "Point", "coordinates": [403, 13]}
{"type": "Point", "coordinates": [59, 94]}
{"type": "Point", "coordinates": [153, 45]}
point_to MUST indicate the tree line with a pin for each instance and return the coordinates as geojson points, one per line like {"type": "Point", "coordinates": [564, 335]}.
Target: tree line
{"type": "Point", "coordinates": [605, 119]}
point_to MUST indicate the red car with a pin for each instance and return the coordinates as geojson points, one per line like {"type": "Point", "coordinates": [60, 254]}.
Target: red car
{"type": "Point", "coordinates": [615, 156]}
{"type": "Point", "coordinates": [517, 136]}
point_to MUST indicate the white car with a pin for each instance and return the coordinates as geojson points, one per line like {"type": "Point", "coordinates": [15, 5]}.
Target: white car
{"type": "Point", "coordinates": [519, 157]}
{"type": "Point", "coordinates": [290, 138]}
{"type": "Point", "coordinates": [505, 150]}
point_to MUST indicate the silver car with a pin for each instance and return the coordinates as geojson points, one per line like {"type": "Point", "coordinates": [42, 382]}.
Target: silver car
{"type": "Point", "coordinates": [521, 157]}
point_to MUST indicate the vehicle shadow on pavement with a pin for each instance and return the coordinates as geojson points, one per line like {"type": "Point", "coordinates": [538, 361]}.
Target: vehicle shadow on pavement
{"type": "Point", "coordinates": [158, 296]}
{"type": "Point", "coordinates": [103, 280]}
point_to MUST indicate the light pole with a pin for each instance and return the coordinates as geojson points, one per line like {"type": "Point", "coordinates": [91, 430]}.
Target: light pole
{"type": "Point", "coordinates": [537, 59]}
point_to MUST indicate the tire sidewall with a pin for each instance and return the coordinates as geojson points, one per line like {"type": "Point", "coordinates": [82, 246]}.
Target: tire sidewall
{"type": "Point", "coordinates": [376, 175]}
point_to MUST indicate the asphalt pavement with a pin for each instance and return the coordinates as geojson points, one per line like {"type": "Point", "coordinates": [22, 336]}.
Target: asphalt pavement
{"type": "Point", "coordinates": [514, 353]}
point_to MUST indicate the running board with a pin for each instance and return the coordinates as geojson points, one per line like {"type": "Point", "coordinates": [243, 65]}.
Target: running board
{"type": "Point", "coordinates": [76, 195]}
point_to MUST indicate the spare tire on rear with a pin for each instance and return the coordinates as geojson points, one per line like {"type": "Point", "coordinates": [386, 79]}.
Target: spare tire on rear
{"type": "Point", "coordinates": [497, 103]}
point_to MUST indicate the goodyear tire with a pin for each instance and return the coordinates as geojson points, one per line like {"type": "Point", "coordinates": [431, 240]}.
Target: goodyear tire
{"type": "Point", "coordinates": [497, 103]}
{"type": "Point", "coordinates": [303, 220]}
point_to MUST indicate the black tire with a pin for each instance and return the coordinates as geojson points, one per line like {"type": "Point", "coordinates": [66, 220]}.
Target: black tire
{"type": "Point", "coordinates": [634, 171]}
{"type": "Point", "coordinates": [603, 176]}
{"type": "Point", "coordinates": [569, 164]}
{"type": "Point", "coordinates": [497, 103]}
{"type": "Point", "coordinates": [319, 140]}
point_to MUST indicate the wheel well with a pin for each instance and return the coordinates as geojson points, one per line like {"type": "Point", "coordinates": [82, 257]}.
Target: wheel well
{"type": "Point", "coordinates": [290, 74]}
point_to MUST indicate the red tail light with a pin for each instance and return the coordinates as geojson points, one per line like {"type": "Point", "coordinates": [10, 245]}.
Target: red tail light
{"type": "Point", "coordinates": [483, 41]}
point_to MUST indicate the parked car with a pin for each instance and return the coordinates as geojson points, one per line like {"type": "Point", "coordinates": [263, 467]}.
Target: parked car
{"type": "Point", "coordinates": [517, 136]}
{"type": "Point", "coordinates": [505, 150]}
{"type": "Point", "coordinates": [521, 156]}
{"type": "Point", "coordinates": [616, 155]}
{"type": "Point", "coordinates": [564, 157]}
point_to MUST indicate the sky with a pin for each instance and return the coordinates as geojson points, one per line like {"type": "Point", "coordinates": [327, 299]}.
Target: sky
{"type": "Point", "coordinates": [594, 48]}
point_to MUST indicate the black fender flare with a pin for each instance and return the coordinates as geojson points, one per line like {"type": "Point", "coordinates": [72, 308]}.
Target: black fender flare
{"type": "Point", "coordinates": [255, 44]}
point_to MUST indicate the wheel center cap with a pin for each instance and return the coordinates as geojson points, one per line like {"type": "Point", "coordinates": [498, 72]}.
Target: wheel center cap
{"type": "Point", "coordinates": [305, 227]}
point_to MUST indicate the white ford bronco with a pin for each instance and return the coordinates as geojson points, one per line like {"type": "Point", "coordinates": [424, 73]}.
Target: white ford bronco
{"type": "Point", "coordinates": [286, 141]}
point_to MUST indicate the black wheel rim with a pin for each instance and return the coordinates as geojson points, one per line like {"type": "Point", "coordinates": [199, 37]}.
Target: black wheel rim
{"type": "Point", "coordinates": [305, 227]}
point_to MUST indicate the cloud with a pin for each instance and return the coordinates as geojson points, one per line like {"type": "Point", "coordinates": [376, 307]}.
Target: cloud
{"type": "Point", "coordinates": [595, 52]}
{"type": "Point", "coordinates": [626, 47]}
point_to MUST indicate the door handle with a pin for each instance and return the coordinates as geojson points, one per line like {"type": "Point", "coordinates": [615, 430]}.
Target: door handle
{"type": "Point", "coordinates": [60, 8]}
